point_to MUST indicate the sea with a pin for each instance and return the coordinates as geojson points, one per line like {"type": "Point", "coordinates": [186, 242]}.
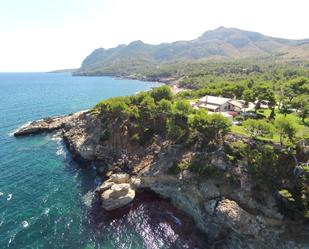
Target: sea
{"type": "Point", "coordinates": [46, 199]}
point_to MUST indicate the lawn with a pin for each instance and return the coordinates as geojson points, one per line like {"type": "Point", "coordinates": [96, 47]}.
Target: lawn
{"type": "Point", "coordinates": [303, 130]}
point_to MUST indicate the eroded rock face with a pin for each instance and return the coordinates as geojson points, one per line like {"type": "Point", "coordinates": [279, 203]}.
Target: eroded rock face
{"type": "Point", "coordinates": [219, 207]}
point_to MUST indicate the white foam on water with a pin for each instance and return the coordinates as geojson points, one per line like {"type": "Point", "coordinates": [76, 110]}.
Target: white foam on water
{"type": "Point", "coordinates": [11, 240]}
{"type": "Point", "coordinates": [46, 211]}
{"type": "Point", "coordinates": [11, 134]}
{"type": "Point", "coordinates": [61, 151]}
{"type": "Point", "coordinates": [9, 196]}
{"type": "Point", "coordinates": [25, 224]}
{"type": "Point", "coordinates": [87, 198]}
{"type": "Point", "coordinates": [1, 193]}
{"type": "Point", "coordinates": [56, 136]}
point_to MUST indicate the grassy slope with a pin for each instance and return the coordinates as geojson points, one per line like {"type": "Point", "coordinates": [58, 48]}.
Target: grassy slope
{"type": "Point", "coordinates": [302, 128]}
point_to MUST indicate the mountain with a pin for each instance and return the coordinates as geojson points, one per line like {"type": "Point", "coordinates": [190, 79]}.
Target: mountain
{"type": "Point", "coordinates": [219, 44]}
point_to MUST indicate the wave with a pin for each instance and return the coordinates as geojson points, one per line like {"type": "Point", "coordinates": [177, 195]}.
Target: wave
{"type": "Point", "coordinates": [11, 134]}
{"type": "Point", "coordinates": [61, 150]}
{"type": "Point", "coordinates": [87, 198]}
{"type": "Point", "coordinates": [46, 211]}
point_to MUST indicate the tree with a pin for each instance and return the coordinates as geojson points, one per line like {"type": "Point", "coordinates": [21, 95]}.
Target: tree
{"type": "Point", "coordinates": [299, 101]}
{"type": "Point", "coordinates": [301, 104]}
{"type": "Point", "coordinates": [182, 107]}
{"type": "Point", "coordinates": [286, 129]}
{"type": "Point", "coordinates": [257, 128]}
{"type": "Point", "coordinates": [164, 106]}
{"type": "Point", "coordinates": [248, 96]}
{"type": "Point", "coordinates": [264, 92]}
{"type": "Point", "coordinates": [147, 108]}
{"type": "Point", "coordinates": [163, 92]}
{"type": "Point", "coordinates": [210, 127]}
{"type": "Point", "coordinates": [220, 126]}
{"type": "Point", "coordinates": [304, 112]}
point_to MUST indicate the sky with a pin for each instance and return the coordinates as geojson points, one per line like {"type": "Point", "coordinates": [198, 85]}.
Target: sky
{"type": "Point", "coordinates": [44, 35]}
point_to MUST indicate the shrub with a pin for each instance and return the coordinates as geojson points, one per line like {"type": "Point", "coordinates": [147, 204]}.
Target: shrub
{"type": "Point", "coordinates": [164, 106]}
{"type": "Point", "coordinates": [176, 132]}
{"type": "Point", "coordinates": [237, 149]}
{"type": "Point", "coordinates": [147, 136]}
{"type": "Point", "coordinates": [286, 195]}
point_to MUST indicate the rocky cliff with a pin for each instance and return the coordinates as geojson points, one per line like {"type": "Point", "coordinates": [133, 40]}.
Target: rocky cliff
{"type": "Point", "coordinates": [227, 205]}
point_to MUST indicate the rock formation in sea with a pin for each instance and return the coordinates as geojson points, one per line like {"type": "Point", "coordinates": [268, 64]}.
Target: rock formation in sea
{"type": "Point", "coordinates": [232, 214]}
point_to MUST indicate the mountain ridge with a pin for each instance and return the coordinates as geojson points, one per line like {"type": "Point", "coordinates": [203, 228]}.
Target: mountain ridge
{"type": "Point", "coordinates": [222, 43]}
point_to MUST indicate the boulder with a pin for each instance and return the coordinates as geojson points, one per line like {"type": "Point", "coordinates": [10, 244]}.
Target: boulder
{"type": "Point", "coordinates": [239, 220]}
{"type": "Point", "coordinates": [218, 160]}
{"type": "Point", "coordinates": [104, 186]}
{"type": "Point", "coordinates": [117, 196]}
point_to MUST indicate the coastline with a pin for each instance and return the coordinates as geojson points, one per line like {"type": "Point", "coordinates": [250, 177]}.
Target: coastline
{"type": "Point", "coordinates": [217, 207]}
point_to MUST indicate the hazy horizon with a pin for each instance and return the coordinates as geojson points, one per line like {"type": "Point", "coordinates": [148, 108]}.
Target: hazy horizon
{"type": "Point", "coordinates": [41, 36]}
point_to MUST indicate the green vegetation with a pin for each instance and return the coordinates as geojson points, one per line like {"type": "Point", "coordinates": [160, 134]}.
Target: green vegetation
{"type": "Point", "coordinates": [269, 145]}
{"type": "Point", "coordinates": [287, 195]}
{"type": "Point", "coordinates": [258, 128]}
{"type": "Point", "coordinates": [272, 168]}
{"type": "Point", "coordinates": [287, 128]}
{"type": "Point", "coordinates": [209, 127]}
{"type": "Point", "coordinates": [159, 113]}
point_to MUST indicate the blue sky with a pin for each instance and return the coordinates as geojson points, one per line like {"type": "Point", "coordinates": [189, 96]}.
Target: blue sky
{"type": "Point", "coordinates": [41, 35]}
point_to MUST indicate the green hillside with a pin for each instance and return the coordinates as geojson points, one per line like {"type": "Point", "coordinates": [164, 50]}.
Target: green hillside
{"type": "Point", "coordinates": [221, 44]}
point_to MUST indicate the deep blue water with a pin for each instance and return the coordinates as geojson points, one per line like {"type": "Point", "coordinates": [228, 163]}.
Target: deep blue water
{"type": "Point", "coordinates": [51, 192]}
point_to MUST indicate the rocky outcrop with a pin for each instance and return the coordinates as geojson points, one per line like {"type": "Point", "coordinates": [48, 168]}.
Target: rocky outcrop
{"type": "Point", "coordinates": [226, 208]}
{"type": "Point", "coordinates": [116, 192]}
{"type": "Point", "coordinates": [231, 214]}
{"type": "Point", "coordinates": [46, 125]}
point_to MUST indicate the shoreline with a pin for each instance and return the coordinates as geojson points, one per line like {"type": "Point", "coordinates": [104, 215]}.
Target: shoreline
{"type": "Point", "coordinates": [218, 205]}
{"type": "Point", "coordinates": [206, 203]}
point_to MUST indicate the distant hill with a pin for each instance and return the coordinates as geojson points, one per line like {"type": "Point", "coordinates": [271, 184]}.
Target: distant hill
{"type": "Point", "coordinates": [219, 44]}
{"type": "Point", "coordinates": [71, 70]}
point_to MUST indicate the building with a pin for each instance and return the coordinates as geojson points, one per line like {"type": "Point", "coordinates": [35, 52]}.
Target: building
{"type": "Point", "coordinates": [237, 105]}
{"type": "Point", "coordinates": [221, 104]}
{"type": "Point", "coordinates": [215, 104]}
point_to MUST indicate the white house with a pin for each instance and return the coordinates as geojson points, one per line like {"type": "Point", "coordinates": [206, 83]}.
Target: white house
{"type": "Point", "coordinates": [215, 104]}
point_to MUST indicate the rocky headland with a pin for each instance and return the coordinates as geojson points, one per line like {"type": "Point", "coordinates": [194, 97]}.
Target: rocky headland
{"type": "Point", "coordinates": [231, 213]}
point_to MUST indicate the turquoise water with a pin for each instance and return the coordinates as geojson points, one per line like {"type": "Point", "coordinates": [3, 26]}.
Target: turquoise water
{"type": "Point", "coordinates": [49, 191]}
